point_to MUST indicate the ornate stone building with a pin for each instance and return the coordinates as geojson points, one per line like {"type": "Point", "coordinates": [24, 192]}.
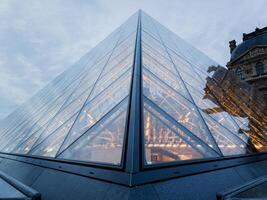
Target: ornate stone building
{"type": "Point", "coordinates": [249, 59]}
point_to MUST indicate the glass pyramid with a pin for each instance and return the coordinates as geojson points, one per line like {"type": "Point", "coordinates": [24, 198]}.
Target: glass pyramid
{"type": "Point", "coordinates": [141, 95]}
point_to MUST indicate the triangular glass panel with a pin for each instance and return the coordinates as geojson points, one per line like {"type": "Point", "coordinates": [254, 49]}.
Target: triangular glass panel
{"type": "Point", "coordinates": [228, 142]}
{"type": "Point", "coordinates": [151, 42]}
{"type": "Point", "coordinates": [168, 78]}
{"type": "Point", "coordinates": [103, 142]}
{"type": "Point", "coordinates": [157, 51]}
{"type": "Point", "coordinates": [88, 79]}
{"type": "Point", "coordinates": [118, 64]}
{"type": "Point", "coordinates": [151, 55]}
{"type": "Point", "coordinates": [165, 142]}
{"type": "Point", "coordinates": [178, 107]}
{"type": "Point", "coordinates": [52, 109]}
{"type": "Point", "coordinates": [185, 69]}
{"type": "Point", "coordinates": [163, 68]}
{"type": "Point", "coordinates": [129, 27]}
{"type": "Point", "coordinates": [208, 104]}
{"type": "Point", "coordinates": [41, 123]}
{"type": "Point", "coordinates": [251, 132]}
{"type": "Point", "coordinates": [63, 116]}
{"type": "Point", "coordinates": [148, 26]}
{"type": "Point", "coordinates": [175, 44]}
{"type": "Point", "coordinates": [51, 144]}
{"type": "Point", "coordinates": [123, 48]}
{"type": "Point", "coordinates": [5, 147]}
{"type": "Point", "coordinates": [114, 72]}
{"type": "Point", "coordinates": [99, 106]}
{"type": "Point", "coordinates": [26, 145]}
{"type": "Point", "coordinates": [12, 144]}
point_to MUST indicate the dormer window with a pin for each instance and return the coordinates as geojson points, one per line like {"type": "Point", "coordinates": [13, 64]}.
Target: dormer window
{"type": "Point", "coordinates": [239, 73]}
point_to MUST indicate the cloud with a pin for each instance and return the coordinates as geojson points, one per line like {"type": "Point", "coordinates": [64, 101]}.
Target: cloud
{"type": "Point", "coordinates": [40, 39]}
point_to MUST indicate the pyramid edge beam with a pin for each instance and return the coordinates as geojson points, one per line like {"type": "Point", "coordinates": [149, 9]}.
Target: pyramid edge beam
{"type": "Point", "coordinates": [135, 111]}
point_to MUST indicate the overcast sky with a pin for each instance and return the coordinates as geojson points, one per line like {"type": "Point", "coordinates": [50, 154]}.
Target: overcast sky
{"type": "Point", "coordinates": [40, 39]}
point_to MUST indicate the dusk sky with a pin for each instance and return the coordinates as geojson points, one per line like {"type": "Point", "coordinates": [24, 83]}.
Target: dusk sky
{"type": "Point", "coordinates": [40, 39]}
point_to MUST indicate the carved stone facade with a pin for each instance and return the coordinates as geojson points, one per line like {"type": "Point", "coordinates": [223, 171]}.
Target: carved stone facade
{"type": "Point", "coordinates": [250, 63]}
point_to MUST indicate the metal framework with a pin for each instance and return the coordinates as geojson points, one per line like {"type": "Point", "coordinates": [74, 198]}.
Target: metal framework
{"type": "Point", "coordinates": [135, 113]}
{"type": "Point", "coordinates": [133, 170]}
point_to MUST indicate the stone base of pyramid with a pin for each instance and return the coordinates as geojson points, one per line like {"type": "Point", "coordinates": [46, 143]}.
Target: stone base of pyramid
{"type": "Point", "coordinates": [57, 180]}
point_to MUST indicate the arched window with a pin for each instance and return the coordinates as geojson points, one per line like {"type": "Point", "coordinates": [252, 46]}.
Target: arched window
{"type": "Point", "coordinates": [239, 73]}
{"type": "Point", "coordinates": [259, 68]}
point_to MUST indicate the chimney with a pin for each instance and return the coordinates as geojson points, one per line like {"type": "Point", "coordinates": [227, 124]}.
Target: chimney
{"type": "Point", "coordinates": [232, 45]}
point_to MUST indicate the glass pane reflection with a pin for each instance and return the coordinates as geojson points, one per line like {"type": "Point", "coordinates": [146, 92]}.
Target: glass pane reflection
{"type": "Point", "coordinates": [207, 99]}
{"type": "Point", "coordinates": [104, 141]}
{"type": "Point", "coordinates": [98, 107]}
{"type": "Point", "coordinates": [165, 142]}
{"type": "Point", "coordinates": [175, 105]}
{"type": "Point", "coordinates": [51, 144]}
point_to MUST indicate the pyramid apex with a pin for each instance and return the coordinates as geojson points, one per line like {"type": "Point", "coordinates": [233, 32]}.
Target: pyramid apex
{"type": "Point", "coordinates": [140, 11]}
